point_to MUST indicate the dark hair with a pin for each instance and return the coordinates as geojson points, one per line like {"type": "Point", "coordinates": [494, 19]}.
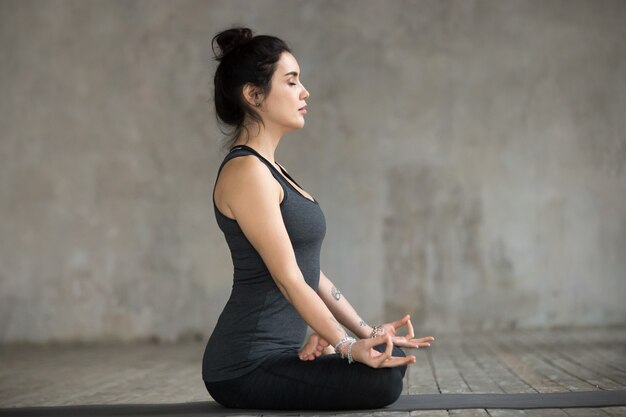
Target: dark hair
{"type": "Point", "coordinates": [243, 58]}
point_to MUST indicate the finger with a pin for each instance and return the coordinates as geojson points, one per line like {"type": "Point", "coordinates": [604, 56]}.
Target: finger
{"type": "Point", "coordinates": [311, 343]}
{"type": "Point", "coordinates": [379, 357]}
{"type": "Point", "coordinates": [401, 322]}
{"type": "Point", "coordinates": [420, 342]}
{"type": "Point", "coordinates": [411, 334]}
{"type": "Point", "coordinates": [374, 341]}
{"type": "Point", "coordinates": [398, 361]}
{"type": "Point", "coordinates": [403, 342]}
{"type": "Point", "coordinates": [389, 349]}
{"type": "Point", "coordinates": [425, 339]}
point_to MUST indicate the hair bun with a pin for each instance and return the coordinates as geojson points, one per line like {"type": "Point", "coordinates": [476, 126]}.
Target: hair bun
{"type": "Point", "coordinates": [230, 40]}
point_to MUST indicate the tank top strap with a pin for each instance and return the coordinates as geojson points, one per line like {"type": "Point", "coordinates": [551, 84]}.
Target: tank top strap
{"type": "Point", "coordinates": [241, 150]}
{"type": "Point", "coordinates": [247, 150]}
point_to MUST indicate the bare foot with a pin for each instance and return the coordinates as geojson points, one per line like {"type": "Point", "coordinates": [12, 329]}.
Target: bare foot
{"type": "Point", "coordinates": [314, 347]}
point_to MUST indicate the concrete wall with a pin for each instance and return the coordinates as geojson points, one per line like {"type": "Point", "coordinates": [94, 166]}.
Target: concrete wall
{"type": "Point", "coordinates": [469, 157]}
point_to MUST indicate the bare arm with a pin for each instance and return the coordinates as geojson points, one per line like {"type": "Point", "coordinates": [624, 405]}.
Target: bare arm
{"type": "Point", "coordinates": [346, 314]}
{"type": "Point", "coordinates": [341, 308]}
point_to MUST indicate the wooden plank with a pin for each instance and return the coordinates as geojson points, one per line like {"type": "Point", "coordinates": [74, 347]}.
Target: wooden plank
{"type": "Point", "coordinates": [614, 340]}
{"type": "Point", "coordinates": [526, 373]}
{"type": "Point", "coordinates": [585, 412]}
{"type": "Point", "coordinates": [505, 378]}
{"type": "Point", "coordinates": [472, 412]}
{"type": "Point", "coordinates": [502, 379]}
{"type": "Point", "coordinates": [429, 413]}
{"type": "Point", "coordinates": [546, 412]}
{"type": "Point", "coordinates": [448, 377]}
{"type": "Point", "coordinates": [610, 347]}
{"type": "Point", "coordinates": [497, 412]}
{"type": "Point", "coordinates": [615, 411]}
{"type": "Point", "coordinates": [474, 375]}
{"type": "Point", "coordinates": [553, 356]}
{"type": "Point", "coordinates": [419, 376]}
{"type": "Point", "coordinates": [590, 360]}
{"type": "Point", "coordinates": [531, 355]}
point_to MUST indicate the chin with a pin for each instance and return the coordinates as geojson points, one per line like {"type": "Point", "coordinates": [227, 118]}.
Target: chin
{"type": "Point", "coordinates": [295, 126]}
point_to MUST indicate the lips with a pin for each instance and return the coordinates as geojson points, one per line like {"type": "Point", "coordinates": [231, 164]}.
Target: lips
{"type": "Point", "coordinates": [302, 108]}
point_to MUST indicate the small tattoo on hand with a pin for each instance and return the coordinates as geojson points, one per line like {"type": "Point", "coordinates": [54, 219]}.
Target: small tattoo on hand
{"type": "Point", "coordinates": [362, 323]}
{"type": "Point", "coordinates": [335, 292]}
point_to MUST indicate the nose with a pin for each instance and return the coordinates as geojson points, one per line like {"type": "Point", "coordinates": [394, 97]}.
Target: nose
{"type": "Point", "coordinates": [305, 93]}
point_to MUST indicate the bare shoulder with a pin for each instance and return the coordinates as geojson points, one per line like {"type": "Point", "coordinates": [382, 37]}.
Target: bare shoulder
{"type": "Point", "coordinates": [243, 179]}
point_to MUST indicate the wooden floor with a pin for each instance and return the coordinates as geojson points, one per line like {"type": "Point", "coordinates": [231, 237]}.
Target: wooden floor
{"type": "Point", "coordinates": [511, 362]}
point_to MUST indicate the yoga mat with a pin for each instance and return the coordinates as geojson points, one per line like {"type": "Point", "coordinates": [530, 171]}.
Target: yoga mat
{"type": "Point", "coordinates": [405, 403]}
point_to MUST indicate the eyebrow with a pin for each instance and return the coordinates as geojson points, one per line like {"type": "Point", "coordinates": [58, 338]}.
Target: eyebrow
{"type": "Point", "coordinates": [291, 73]}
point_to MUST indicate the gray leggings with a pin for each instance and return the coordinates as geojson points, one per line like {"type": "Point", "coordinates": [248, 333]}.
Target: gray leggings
{"type": "Point", "coordinates": [284, 382]}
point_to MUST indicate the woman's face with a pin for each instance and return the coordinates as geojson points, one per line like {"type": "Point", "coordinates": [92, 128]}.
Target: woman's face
{"type": "Point", "coordinates": [284, 106]}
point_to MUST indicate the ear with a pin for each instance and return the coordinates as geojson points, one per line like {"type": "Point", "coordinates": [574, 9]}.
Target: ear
{"type": "Point", "coordinates": [252, 95]}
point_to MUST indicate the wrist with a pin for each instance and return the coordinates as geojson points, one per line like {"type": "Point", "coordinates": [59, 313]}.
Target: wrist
{"type": "Point", "coordinates": [364, 332]}
{"type": "Point", "coordinates": [344, 348]}
{"type": "Point", "coordinates": [377, 331]}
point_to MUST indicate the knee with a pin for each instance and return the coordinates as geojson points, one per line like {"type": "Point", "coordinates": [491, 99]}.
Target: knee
{"type": "Point", "coordinates": [398, 352]}
{"type": "Point", "coordinates": [383, 388]}
{"type": "Point", "coordinates": [395, 352]}
{"type": "Point", "coordinates": [394, 379]}
{"type": "Point", "coordinates": [391, 387]}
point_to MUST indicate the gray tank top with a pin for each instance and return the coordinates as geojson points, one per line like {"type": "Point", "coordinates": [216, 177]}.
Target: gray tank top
{"type": "Point", "coordinates": [257, 320]}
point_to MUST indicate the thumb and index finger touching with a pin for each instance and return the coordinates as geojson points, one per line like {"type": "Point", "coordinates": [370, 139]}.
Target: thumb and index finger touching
{"type": "Point", "coordinates": [387, 359]}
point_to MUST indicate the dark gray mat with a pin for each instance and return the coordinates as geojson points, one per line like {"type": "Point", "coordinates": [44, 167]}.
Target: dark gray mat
{"type": "Point", "coordinates": [405, 403]}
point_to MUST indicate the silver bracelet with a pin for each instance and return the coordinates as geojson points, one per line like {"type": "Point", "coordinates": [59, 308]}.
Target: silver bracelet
{"type": "Point", "coordinates": [350, 360]}
{"type": "Point", "coordinates": [377, 331]}
{"type": "Point", "coordinates": [343, 342]}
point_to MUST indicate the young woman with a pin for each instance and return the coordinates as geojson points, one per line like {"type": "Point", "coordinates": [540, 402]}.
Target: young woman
{"type": "Point", "coordinates": [274, 230]}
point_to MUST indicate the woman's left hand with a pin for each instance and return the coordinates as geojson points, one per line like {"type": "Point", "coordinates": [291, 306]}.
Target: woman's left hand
{"type": "Point", "coordinates": [409, 340]}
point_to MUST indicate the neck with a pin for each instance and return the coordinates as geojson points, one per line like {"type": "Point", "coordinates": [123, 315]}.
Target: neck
{"type": "Point", "coordinates": [265, 142]}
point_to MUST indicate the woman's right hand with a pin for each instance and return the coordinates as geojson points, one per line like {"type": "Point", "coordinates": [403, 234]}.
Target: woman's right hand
{"type": "Point", "coordinates": [363, 351]}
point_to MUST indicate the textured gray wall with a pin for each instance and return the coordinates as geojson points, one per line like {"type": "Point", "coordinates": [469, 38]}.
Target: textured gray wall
{"type": "Point", "coordinates": [469, 157]}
